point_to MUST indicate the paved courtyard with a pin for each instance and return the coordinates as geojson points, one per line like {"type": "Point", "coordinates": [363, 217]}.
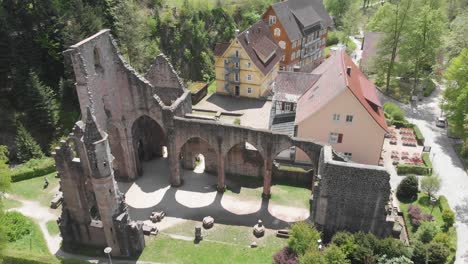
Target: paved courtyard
{"type": "Point", "coordinates": [197, 198]}
{"type": "Point", "coordinates": [255, 113]}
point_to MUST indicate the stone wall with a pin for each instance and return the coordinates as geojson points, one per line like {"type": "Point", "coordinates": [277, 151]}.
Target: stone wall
{"type": "Point", "coordinates": [351, 196]}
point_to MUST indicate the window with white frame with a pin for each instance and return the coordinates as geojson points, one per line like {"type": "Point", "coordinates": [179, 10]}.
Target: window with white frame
{"type": "Point", "coordinates": [348, 155]}
{"type": "Point", "coordinates": [277, 32]}
{"type": "Point", "coordinates": [249, 77]}
{"type": "Point", "coordinates": [249, 90]}
{"type": "Point", "coordinates": [335, 138]}
{"type": "Point", "coordinates": [349, 118]}
{"type": "Point", "coordinates": [336, 117]}
{"type": "Point", "coordinates": [282, 44]}
{"type": "Point", "coordinates": [248, 64]}
{"type": "Point", "coordinates": [288, 107]}
{"type": "Point", "coordinates": [272, 20]}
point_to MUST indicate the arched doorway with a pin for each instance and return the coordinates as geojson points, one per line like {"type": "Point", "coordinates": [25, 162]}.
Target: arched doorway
{"type": "Point", "coordinates": [149, 140]}
{"type": "Point", "coordinates": [196, 153]}
{"type": "Point", "coordinates": [294, 166]}
{"type": "Point", "coordinates": [244, 159]}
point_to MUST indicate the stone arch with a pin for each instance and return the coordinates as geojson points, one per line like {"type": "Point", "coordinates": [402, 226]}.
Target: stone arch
{"type": "Point", "coordinates": [148, 139]}
{"type": "Point", "coordinates": [196, 145]}
{"type": "Point", "coordinates": [244, 159]}
{"type": "Point", "coordinates": [293, 153]}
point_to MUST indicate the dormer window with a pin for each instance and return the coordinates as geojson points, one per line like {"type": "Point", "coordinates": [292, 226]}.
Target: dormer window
{"type": "Point", "coordinates": [272, 20]}
{"type": "Point", "coordinates": [277, 32]}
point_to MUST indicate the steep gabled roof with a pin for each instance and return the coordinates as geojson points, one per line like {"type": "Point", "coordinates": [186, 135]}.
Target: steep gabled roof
{"type": "Point", "coordinates": [333, 81]}
{"type": "Point", "coordinates": [260, 46]}
{"type": "Point", "coordinates": [297, 16]}
{"type": "Point", "coordinates": [289, 86]}
{"type": "Point", "coordinates": [220, 48]}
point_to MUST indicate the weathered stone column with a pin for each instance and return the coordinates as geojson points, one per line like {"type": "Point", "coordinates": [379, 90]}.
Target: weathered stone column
{"type": "Point", "coordinates": [268, 165]}
{"type": "Point", "coordinates": [174, 166]}
{"type": "Point", "coordinates": [221, 173]}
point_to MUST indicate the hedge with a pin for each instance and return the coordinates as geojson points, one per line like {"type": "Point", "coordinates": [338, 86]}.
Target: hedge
{"type": "Point", "coordinates": [419, 136]}
{"type": "Point", "coordinates": [405, 169]}
{"type": "Point", "coordinates": [32, 169]}
{"type": "Point", "coordinates": [22, 260]}
{"type": "Point", "coordinates": [427, 160]}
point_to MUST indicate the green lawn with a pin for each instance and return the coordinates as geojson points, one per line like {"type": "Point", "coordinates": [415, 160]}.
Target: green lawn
{"type": "Point", "coordinates": [168, 250]}
{"type": "Point", "coordinates": [280, 194]}
{"type": "Point", "coordinates": [32, 189]}
{"type": "Point", "coordinates": [9, 203]}
{"type": "Point", "coordinates": [426, 208]}
{"type": "Point", "coordinates": [52, 227]}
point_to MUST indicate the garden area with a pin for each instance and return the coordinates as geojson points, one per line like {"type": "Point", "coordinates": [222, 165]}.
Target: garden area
{"type": "Point", "coordinates": [429, 219]}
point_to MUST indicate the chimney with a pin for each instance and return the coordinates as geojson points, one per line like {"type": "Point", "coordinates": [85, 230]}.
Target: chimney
{"type": "Point", "coordinates": [348, 71]}
{"type": "Point", "coordinates": [247, 37]}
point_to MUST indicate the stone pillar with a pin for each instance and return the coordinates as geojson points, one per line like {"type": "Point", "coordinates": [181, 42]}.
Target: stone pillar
{"type": "Point", "coordinates": [267, 178]}
{"type": "Point", "coordinates": [221, 173]}
{"type": "Point", "coordinates": [172, 156]}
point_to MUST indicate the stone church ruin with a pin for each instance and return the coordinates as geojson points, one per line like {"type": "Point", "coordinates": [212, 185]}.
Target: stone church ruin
{"type": "Point", "coordinates": [128, 119]}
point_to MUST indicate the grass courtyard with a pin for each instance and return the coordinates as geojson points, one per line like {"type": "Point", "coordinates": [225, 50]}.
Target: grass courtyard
{"type": "Point", "coordinates": [33, 189]}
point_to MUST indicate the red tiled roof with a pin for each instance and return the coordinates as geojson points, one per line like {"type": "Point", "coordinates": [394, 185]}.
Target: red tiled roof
{"type": "Point", "coordinates": [333, 81]}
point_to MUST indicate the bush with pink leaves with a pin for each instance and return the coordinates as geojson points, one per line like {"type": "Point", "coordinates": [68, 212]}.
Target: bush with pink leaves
{"type": "Point", "coordinates": [285, 256]}
{"type": "Point", "coordinates": [417, 217]}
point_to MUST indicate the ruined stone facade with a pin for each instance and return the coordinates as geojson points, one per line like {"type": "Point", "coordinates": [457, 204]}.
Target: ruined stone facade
{"type": "Point", "coordinates": [133, 117]}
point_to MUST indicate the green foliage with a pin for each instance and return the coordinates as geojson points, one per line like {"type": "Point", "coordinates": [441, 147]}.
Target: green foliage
{"type": "Point", "coordinates": [431, 185]}
{"type": "Point", "coordinates": [449, 218]}
{"type": "Point", "coordinates": [16, 225]}
{"type": "Point", "coordinates": [32, 169]}
{"type": "Point", "coordinates": [394, 111]}
{"type": "Point", "coordinates": [455, 40]}
{"type": "Point", "coordinates": [312, 256]}
{"type": "Point", "coordinates": [432, 253]}
{"type": "Point", "coordinates": [345, 241]}
{"type": "Point", "coordinates": [338, 8]}
{"type": "Point", "coordinates": [407, 169]}
{"type": "Point", "coordinates": [427, 160]}
{"type": "Point", "coordinates": [392, 248]}
{"type": "Point", "coordinates": [408, 188]}
{"type": "Point", "coordinates": [303, 237]}
{"type": "Point", "coordinates": [426, 231]}
{"type": "Point", "coordinates": [333, 38]}
{"type": "Point", "coordinates": [417, 132]}
{"type": "Point", "coordinates": [237, 121]}
{"type": "Point", "coordinates": [334, 255]}
{"type": "Point", "coordinates": [27, 147]}
{"type": "Point", "coordinates": [397, 260]}
{"type": "Point", "coordinates": [5, 178]}
{"type": "Point", "coordinates": [456, 95]}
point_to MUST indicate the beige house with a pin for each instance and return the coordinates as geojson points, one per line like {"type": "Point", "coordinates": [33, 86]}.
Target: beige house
{"type": "Point", "coordinates": [248, 64]}
{"type": "Point", "coordinates": [342, 109]}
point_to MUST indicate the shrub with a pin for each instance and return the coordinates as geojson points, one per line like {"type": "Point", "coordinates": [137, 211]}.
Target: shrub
{"type": "Point", "coordinates": [431, 185]}
{"type": "Point", "coordinates": [33, 168]}
{"type": "Point", "coordinates": [303, 237]}
{"type": "Point", "coordinates": [312, 257]}
{"type": "Point", "coordinates": [285, 256]}
{"type": "Point", "coordinates": [427, 160]}
{"type": "Point", "coordinates": [394, 111]}
{"type": "Point", "coordinates": [334, 255]}
{"type": "Point", "coordinates": [417, 132]}
{"type": "Point", "coordinates": [444, 239]}
{"type": "Point", "coordinates": [408, 188]}
{"type": "Point", "coordinates": [429, 87]}
{"type": "Point", "coordinates": [392, 248]}
{"type": "Point", "coordinates": [405, 169]}
{"type": "Point", "coordinates": [237, 121]}
{"type": "Point", "coordinates": [443, 203]}
{"type": "Point", "coordinates": [27, 147]}
{"type": "Point", "coordinates": [435, 252]}
{"type": "Point", "coordinates": [449, 218]}
{"type": "Point", "coordinates": [415, 215]}
{"type": "Point", "coordinates": [399, 124]}
{"type": "Point", "coordinates": [15, 225]}
{"type": "Point", "coordinates": [345, 241]}
{"type": "Point", "coordinates": [332, 38]}
{"type": "Point", "coordinates": [427, 231]}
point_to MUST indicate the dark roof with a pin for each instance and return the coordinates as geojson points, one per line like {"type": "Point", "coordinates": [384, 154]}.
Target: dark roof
{"type": "Point", "coordinates": [259, 44]}
{"type": "Point", "coordinates": [289, 86]}
{"type": "Point", "coordinates": [220, 48]}
{"type": "Point", "coordinates": [370, 48]}
{"type": "Point", "coordinates": [333, 81]}
{"type": "Point", "coordinates": [297, 16]}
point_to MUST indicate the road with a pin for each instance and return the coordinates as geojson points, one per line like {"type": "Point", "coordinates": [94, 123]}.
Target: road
{"type": "Point", "coordinates": [445, 162]}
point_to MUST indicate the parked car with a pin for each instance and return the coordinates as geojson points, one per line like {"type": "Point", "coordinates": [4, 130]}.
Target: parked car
{"type": "Point", "coordinates": [441, 122]}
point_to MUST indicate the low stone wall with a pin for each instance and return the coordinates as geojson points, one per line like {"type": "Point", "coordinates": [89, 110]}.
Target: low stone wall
{"type": "Point", "coordinates": [301, 178]}
{"type": "Point", "coordinates": [198, 95]}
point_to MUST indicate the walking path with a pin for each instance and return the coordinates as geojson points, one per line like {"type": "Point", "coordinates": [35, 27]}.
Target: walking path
{"type": "Point", "coordinates": [445, 162]}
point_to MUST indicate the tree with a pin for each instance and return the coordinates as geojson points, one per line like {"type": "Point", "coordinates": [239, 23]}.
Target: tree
{"type": "Point", "coordinates": [303, 237]}
{"type": "Point", "coordinates": [337, 8]}
{"type": "Point", "coordinates": [392, 19]}
{"type": "Point", "coordinates": [350, 22]}
{"type": "Point", "coordinates": [392, 248]}
{"type": "Point", "coordinates": [455, 102]}
{"type": "Point", "coordinates": [449, 218]}
{"type": "Point", "coordinates": [426, 231]}
{"type": "Point", "coordinates": [432, 253]}
{"type": "Point", "coordinates": [431, 185]}
{"type": "Point", "coordinates": [457, 37]}
{"type": "Point", "coordinates": [422, 41]}
{"type": "Point", "coordinates": [345, 241]}
{"type": "Point", "coordinates": [313, 256]}
{"type": "Point", "coordinates": [408, 188]}
{"type": "Point", "coordinates": [397, 260]}
{"type": "Point", "coordinates": [334, 255]}
{"type": "Point", "coordinates": [26, 146]}
{"type": "Point", "coordinates": [43, 111]}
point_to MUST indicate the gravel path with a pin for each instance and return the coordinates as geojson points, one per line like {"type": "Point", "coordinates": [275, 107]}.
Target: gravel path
{"type": "Point", "coordinates": [445, 161]}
